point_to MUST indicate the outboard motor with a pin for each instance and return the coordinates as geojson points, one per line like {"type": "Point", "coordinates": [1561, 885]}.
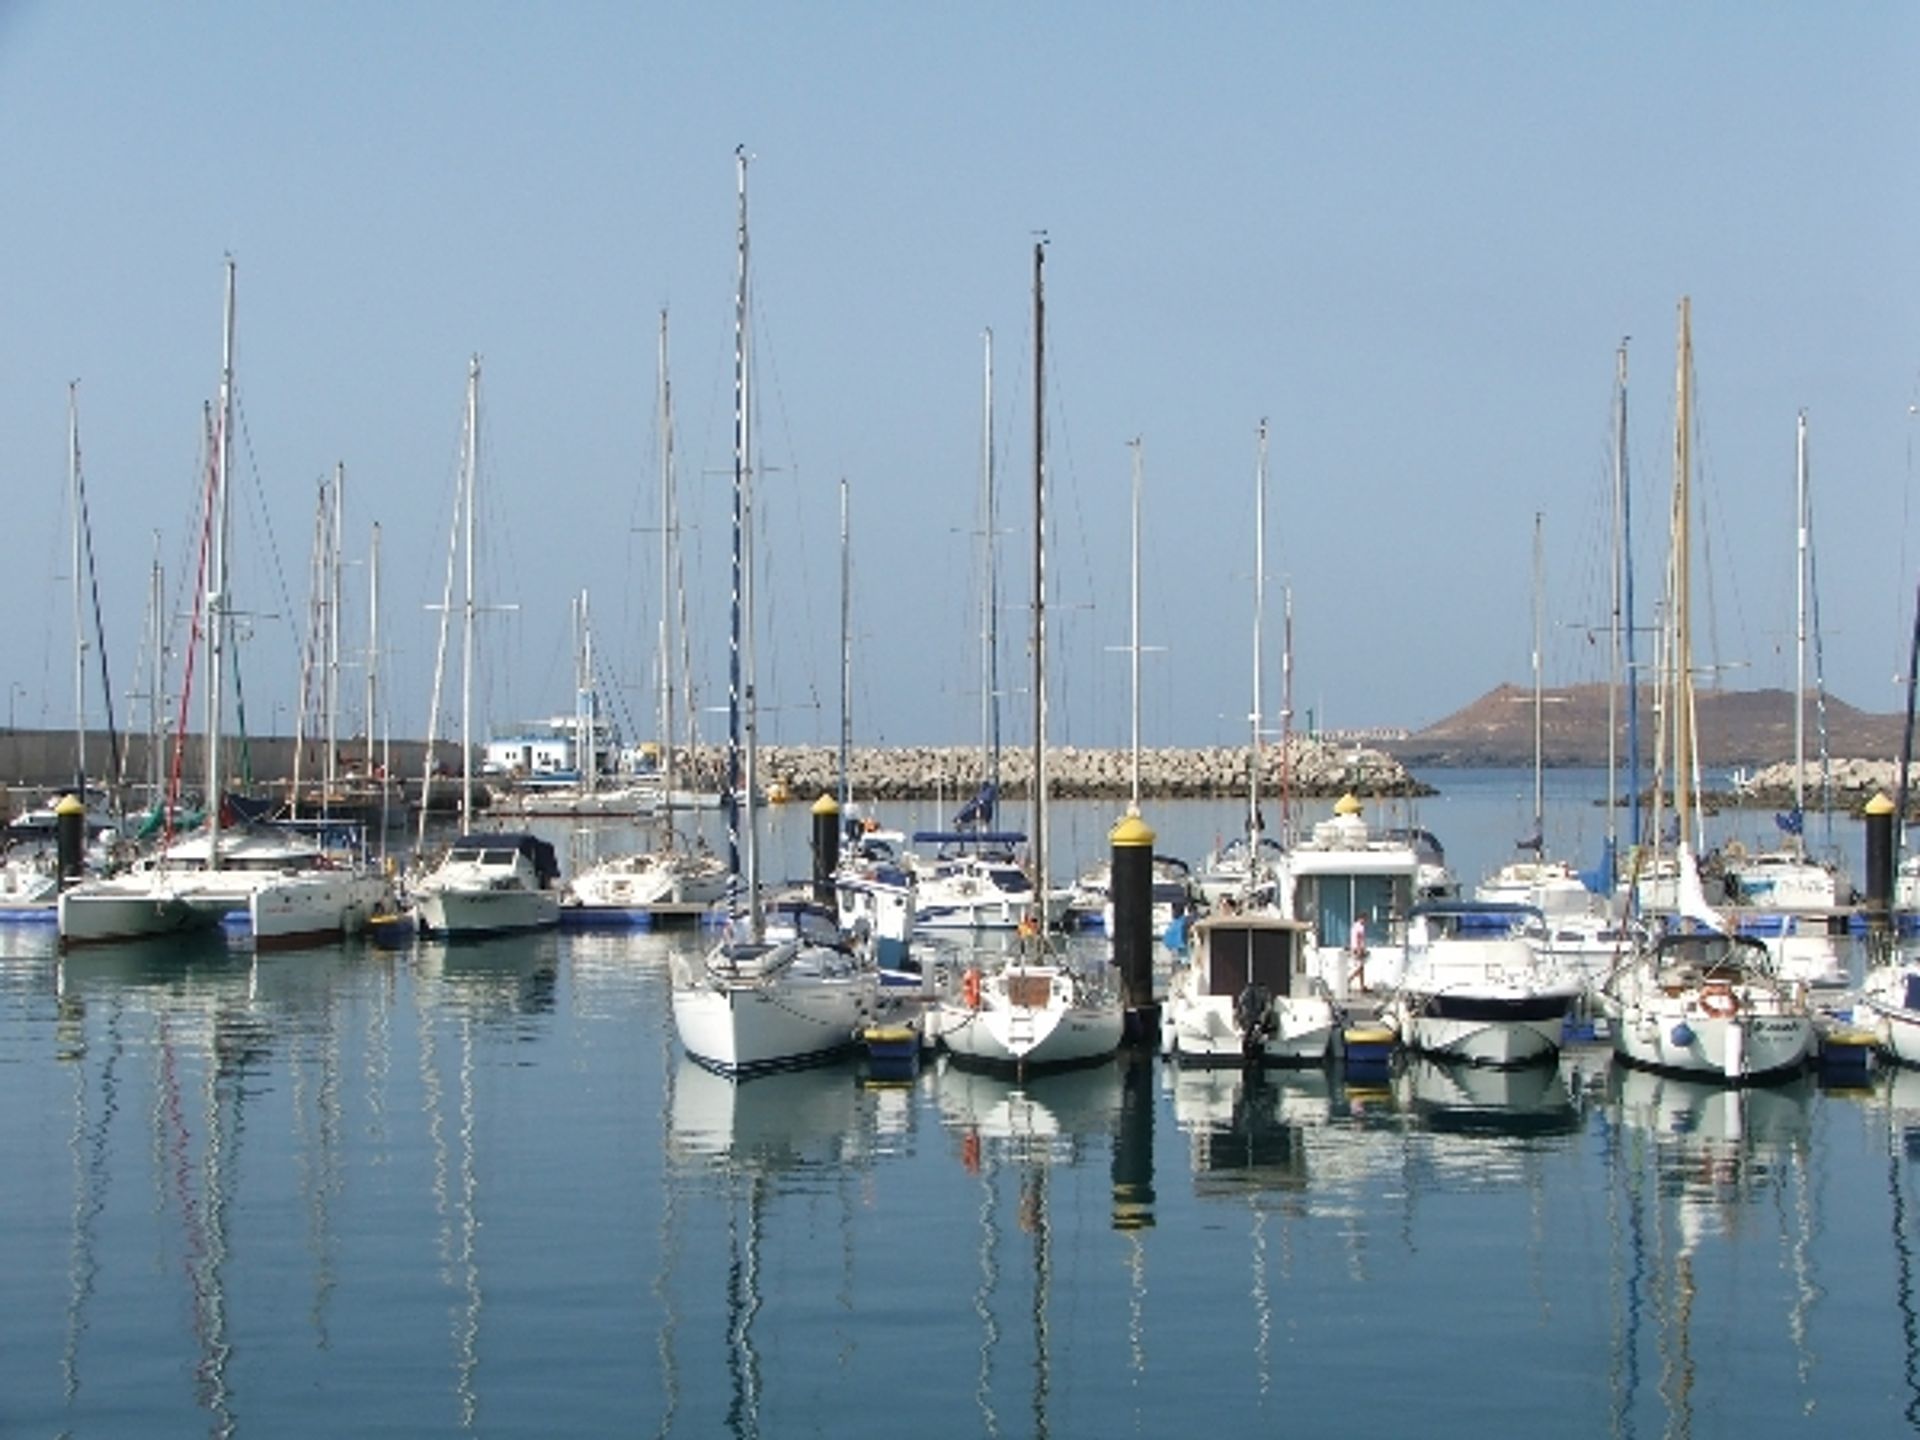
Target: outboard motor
{"type": "Point", "coordinates": [1253, 1013]}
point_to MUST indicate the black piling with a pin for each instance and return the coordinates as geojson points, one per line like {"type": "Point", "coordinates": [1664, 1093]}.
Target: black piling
{"type": "Point", "coordinates": [1879, 814]}
{"type": "Point", "coordinates": [1132, 846]}
{"type": "Point", "coordinates": [826, 847]}
{"type": "Point", "coordinates": [1133, 1143]}
{"type": "Point", "coordinates": [70, 837]}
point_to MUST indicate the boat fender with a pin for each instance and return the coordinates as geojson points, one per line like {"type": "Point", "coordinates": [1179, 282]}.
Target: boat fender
{"type": "Point", "coordinates": [970, 988]}
{"type": "Point", "coordinates": [1682, 1035]}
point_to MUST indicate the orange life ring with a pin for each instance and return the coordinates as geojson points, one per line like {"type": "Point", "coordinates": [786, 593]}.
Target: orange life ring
{"type": "Point", "coordinates": [970, 989]}
{"type": "Point", "coordinates": [1718, 1000]}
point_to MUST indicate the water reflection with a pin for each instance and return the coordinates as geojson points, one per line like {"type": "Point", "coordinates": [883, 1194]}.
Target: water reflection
{"type": "Point", "coordinates": [1692, 1165]}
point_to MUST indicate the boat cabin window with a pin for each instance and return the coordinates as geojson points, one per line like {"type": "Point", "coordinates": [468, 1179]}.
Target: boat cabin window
{"type": "Point", "coordinates": [1331, 903]}
{"type": "Point", "coordinates": [1243, 955]}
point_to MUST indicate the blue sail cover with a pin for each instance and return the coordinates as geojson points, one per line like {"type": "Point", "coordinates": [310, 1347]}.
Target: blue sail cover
{"type": "Point", "coordinates": [1600, 878]}
{"type": "Point", "coordinates": [1791, 822]}
{"type": "Point", "coordinates": [978, 812]}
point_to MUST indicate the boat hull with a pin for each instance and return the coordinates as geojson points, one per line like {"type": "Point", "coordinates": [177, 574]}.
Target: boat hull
{"type": "Point", "coordinates": [311, 909]}
{"type": "Point", "coordinates": [1203, 1030]}
{"type": "Point", "coordinates": [1494, 1030]}
{"type": "Point", "coordinates": [1735, 1049]}
{"type": "Point", "coordinates": [750, 1028]}
{"type": "Point", "coordinates": [460, 913]}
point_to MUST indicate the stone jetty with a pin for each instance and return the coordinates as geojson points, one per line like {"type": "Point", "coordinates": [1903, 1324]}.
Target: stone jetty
{"type": "Point", "coordinates": [1854, 783]}
{"type": "Point", "coordinates": [1311, 768]}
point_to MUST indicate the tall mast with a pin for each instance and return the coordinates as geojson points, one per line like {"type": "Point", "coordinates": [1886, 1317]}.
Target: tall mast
{"type": "Point", "coordinates": [1620, 631]}
{"type": "Point", "coordinates": [1800, 621]}
{"type": "Point", "coordinates": [1683, 731]}
{"type": "Point", "coordinates": [1286, 715]}
{"type": "Point", "coordinates": [743, 737]}
{"type": "Point", "coordinates": [79, 623]}
{"type": "Point", "coordinates": [846, 654]}
{"type": "Point", "coordinates": [1259, 612]}
{"type": "Point", "coordinates": [330, 770]}
{"type": "Point", "coordinates": [1539, 695]}
{"type": "Point", "coordinates": [156, 671]}
{"type": "Point", "coordinates": [467, 604]}
{"type": "Point", "coordinates": [665, 422]}
{"type": "Point", "coordinates": [990, 603]}
{"type": "Point", "coordinates": [1039, 576]}
{"type": "Point", "coordinates": [216, 580]}
{"type": "Point", "coordinates": [373, 642]}
{"type": "Point", "coordinates": [1133, 806]}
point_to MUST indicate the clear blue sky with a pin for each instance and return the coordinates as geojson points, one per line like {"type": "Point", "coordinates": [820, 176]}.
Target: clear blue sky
{"type": "Point", "coordinates": [1410, 235]}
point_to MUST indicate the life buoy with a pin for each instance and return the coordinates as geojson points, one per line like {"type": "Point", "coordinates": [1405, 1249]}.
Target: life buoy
{"type": "Point", "coordinates": [1718, 1000]}
{"type": "Point", "coordinates": [970, 988]}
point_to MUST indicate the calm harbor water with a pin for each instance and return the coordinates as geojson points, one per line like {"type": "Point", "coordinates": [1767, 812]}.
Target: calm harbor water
{"type": "Point", "coordinates": [477, 1190]}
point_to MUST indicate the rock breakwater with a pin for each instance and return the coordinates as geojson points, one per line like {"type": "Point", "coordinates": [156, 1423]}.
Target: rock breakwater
{"type": "Point", "coordinates": [1310, 768]}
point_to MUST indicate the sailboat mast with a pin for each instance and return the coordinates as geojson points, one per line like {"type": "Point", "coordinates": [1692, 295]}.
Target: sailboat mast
{"type": "Point", "coordinates": [156, 670]}
{"type": "Point", "coordinates": [467, 604]}
{"type": "Point", "coordinates": [1039, 575]}
{"type": "Point", "coordinates": [1133, 807]}
{"type": "Point", "coordinates": [741, 778]}
{"type": "Point", "coordinates": [1800, 620]}
{"type": "Point", "coordinates": [1539, 695]}
{"type": "Point", "coordinates": [665, 422]}
{"type": "Point", "coordinates": [79, 623]}
{"type": "Point", "coordinates": [216, 580]}
{"type": "Point", "coordinates": [373, 642]}
{"type": "Point", "coordinates": [330, 770]}
{"type": "Point", "coordinates": [846, 655]}
{"type": "Point", "coordinates": [1259, 613]}
{"type": "Point", "coordinates": [1683, 721]}
{"type": "Point", "coordinates": [990, 591]}
{"type": "Point", "coordinates": [1622, 634]}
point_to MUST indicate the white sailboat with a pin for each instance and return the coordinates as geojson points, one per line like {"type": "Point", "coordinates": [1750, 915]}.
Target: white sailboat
{"type": "Point", "coordinates": [194, 884]}
{"type": "Point", "coordinates": [1786, 878]}
{"type": "Point", "coordinates": [1699, 1001]}
{"type": "Point", "coordinates": [674, 877]}
{"type": "Point", "coordinates": [486, 884]}
{"type": "Point", "coordinates": [757, 1002]}
{"type": "Point", "coordinates": [1033, 1008]}
{"type": "Point", "coordinates": [1241, 869]}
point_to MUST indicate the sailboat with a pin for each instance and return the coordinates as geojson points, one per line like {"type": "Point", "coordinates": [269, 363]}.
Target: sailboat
{"type": "Point", "coordinates": [1240, 869]}
{"type": "Point", "coordinates": [1552, 886]}
{"type": "Point", "coordinates": [755, 1002]}
{"type": "Point", "coordinates": [674, 877]}
{"type": "Point", "coordinates": [1699, 1001]}
{"type": "Point", "coordinates": [194, 884]}
{"type": "Point", "coordinates": [1786, 878]}
{"type": "Point", "coordinates": [974, 880]}
{"type": "Point", "coordinates": [486, 884]}
{"type": "Point", "coordinates": [1032, 1007]}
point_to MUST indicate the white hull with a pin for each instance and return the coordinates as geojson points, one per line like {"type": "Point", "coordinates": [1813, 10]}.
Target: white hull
{"type": "Point", "coordinates": [1485, 1042]}
{"type": "Point", "coordinates": [1202, 1029]}
{"type": "Point", "coordinates": [1886, 1000]}
{"type": "Point", "coordinates": [1071, 1024]}
{"type": "Point", "coordinates": [314, 906]}
{"type": "Point", "coordinates": [636, 882]}
{"type": "Point", "coordinates": [138, 906]}
{"type": "Point", "coordinates": [797, 1005]}
{"type": "Point", "coordinates": [1672, 1033]}
{"type": "Point", "coordinates": [455, 912]}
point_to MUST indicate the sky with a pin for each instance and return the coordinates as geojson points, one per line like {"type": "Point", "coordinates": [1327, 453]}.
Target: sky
{"type": "Point", "coordinates": [1409, 238]}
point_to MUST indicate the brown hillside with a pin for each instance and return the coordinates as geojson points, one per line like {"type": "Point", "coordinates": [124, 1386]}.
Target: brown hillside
{"type": "Point", "coordinates": [1737, 727]}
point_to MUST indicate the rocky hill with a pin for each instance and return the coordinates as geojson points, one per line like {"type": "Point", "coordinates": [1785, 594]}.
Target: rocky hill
{"type": "Point", "coordinates": [1737, 728]}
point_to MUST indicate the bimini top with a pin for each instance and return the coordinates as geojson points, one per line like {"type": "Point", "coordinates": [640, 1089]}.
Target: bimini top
{"type": "Point", "coordinates": [539, 853]}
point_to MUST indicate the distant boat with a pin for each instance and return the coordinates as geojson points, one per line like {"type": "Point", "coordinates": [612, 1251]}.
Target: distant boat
{"type": "Point", "coordinates": [485, 884]}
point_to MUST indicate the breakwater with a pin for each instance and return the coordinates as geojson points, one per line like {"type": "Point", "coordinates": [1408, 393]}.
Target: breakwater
{"type": "Point", "coordinates": [1306, 767]}
{"type": "Point", "coordinates": [35, 761]}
